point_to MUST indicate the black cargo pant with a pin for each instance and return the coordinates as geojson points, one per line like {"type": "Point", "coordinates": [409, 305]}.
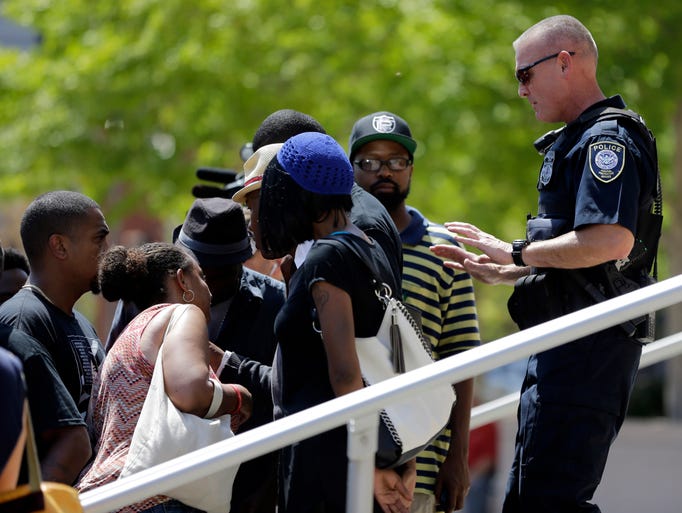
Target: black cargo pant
{"type": "Point", "coordinates": [573, 403]}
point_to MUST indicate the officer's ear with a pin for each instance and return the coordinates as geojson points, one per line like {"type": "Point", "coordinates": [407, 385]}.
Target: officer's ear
{"type": "Point", "coordinates": [564, 61]}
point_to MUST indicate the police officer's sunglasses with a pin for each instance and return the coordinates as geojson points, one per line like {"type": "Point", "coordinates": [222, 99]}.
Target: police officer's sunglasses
{"type": "Point", "coordinates": [523, 75]}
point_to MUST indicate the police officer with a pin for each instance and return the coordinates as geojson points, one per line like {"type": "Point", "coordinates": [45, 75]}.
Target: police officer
{"type": "Point", "coordinates": [597, 182]}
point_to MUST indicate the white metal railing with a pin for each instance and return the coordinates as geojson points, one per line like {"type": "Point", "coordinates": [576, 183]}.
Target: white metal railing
{"type": "Point", "coordinates": [502, 407]}
{"type": "Point", "coordinates": [359, 409]}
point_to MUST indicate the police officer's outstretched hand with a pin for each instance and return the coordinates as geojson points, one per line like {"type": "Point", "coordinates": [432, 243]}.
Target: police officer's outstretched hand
{"type": "Point", "coordinates": [498, 251]}
{"type": "Point", "coordinates": [494, 266]}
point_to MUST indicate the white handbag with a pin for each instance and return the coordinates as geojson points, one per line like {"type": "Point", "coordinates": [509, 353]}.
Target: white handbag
{"type": "Point", "coordinates": [412, 424]}
{"type": "Point", "coordinates": [408, 426]}
{"type": "Point", "coordinates": [163, 432]}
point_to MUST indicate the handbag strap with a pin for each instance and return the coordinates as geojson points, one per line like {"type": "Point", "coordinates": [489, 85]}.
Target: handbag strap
{"type": "Point", "coordinates": [34, 499]}
{"type": "Point", "coordinates": [382, 290]}
{"type": "Point", "coordinates": [174, 318]}
{"type": "Point", "coordinates": [34, 475]}
{"type": "Point", "coordinates": [379, 283]}
{"type": "Point", "coordinates": [384, 294]}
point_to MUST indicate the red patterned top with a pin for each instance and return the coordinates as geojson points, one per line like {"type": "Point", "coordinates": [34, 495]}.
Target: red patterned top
{"type": "Point", "coordinates": [119, 392]}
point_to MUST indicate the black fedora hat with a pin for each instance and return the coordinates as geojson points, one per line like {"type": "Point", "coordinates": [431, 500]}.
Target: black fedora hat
{"type": "Point", "coordinates": [214, 231]}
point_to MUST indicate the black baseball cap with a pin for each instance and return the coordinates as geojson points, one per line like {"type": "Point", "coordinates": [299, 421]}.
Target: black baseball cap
{"type": "Point", "coordinates": [381, 125]}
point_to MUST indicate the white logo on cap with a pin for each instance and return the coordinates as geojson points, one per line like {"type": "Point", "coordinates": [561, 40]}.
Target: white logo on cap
{"type": "Point", "coordinates": [384, 124]}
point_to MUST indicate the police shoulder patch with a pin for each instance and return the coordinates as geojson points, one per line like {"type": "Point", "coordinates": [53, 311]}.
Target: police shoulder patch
{"type": "Point", "coordinates": [547, 168]}
{"type": "Point", "coordinates": [607, 160]}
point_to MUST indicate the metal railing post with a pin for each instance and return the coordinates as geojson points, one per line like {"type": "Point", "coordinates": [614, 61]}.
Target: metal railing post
{"type": "Point", "coordinates": [363, 433]}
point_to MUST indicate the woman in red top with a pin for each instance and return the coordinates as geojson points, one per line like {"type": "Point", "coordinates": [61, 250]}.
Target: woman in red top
{"type": "Point", "coordinates": [155, 276]}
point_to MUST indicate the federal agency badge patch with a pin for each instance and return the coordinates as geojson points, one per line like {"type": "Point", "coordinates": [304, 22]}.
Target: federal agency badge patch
{"type": "Point", "coordinates": [607, 160]}
{"type": "Point", "coordinates": [547, 166]}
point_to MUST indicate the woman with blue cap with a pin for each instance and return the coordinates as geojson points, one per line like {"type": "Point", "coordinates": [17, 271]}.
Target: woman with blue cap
{"type": "Point", "coordinates": [306, 195]}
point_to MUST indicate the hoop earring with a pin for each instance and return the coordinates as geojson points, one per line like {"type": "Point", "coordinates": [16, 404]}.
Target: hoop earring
{"type": "Point", "coordinates": [190, 299]}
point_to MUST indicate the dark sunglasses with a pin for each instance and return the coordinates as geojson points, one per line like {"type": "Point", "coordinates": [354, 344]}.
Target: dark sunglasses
{"type": "Point", "coordinates": [523, 75]}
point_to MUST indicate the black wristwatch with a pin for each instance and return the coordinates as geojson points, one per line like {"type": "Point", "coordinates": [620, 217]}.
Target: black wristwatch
{"type": "Point", "coordinates": [517, 246]}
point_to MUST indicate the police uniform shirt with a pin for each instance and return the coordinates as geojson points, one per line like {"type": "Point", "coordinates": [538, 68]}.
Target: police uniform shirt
{"type": "Point", "coordinates": [592, 175]}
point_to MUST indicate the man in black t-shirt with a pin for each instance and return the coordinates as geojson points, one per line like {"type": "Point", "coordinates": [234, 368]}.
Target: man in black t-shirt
{"type": "Point", "coordinates": [63, 234]}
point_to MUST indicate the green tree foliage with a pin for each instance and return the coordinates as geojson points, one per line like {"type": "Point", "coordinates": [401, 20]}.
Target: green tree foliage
{"type": "Point", "coordinates": [124, 100]}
